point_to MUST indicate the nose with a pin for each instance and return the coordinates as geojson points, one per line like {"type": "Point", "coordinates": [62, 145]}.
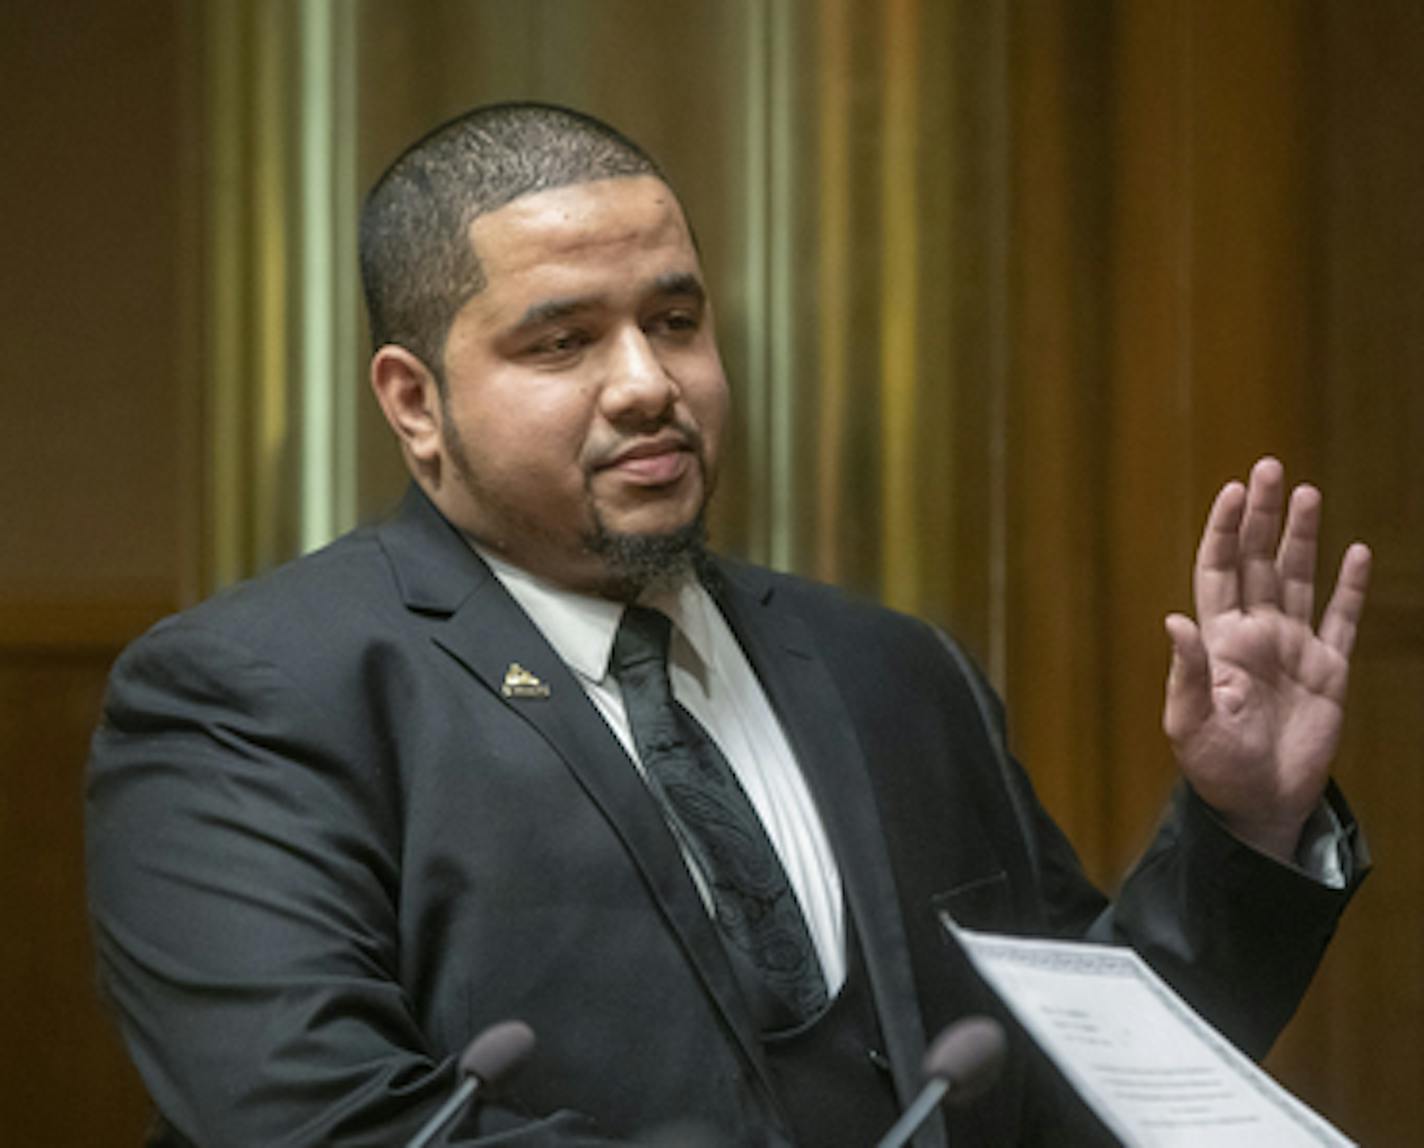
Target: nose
{"type": "Point", "coordinates": [638, 390]}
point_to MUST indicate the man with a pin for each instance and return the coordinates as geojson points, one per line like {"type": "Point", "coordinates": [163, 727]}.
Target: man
{"type": "Point", "coordinates": [442, 772]}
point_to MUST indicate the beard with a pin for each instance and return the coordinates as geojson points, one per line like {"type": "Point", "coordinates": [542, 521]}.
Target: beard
{"type": "Point", "coordinates": [639, 563]}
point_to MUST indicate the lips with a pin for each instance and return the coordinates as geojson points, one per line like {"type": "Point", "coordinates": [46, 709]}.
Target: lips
{"type": "Point", "coordinates": [651, 462]}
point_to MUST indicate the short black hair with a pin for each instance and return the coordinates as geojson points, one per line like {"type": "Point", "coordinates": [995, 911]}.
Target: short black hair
{"type": "Point", "coordinates": [418, 267]}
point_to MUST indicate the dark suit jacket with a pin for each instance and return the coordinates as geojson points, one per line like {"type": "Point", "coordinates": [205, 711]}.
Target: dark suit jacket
{"type": "Point", "coordinates": [325, 850]}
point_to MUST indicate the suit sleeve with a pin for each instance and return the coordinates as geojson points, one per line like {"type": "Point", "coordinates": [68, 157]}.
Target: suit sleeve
{"type": "Point", "coordinates": [1237, 933]}
{"type": "Point", "coordinates": [243, 889]}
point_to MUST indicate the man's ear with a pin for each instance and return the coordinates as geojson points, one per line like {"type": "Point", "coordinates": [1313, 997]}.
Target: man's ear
{"type": "Point", "coordinates": [410, 400]}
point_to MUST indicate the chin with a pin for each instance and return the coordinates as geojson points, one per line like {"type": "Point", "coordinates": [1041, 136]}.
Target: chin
{"type": "Point", "coordinates": [651, 521]}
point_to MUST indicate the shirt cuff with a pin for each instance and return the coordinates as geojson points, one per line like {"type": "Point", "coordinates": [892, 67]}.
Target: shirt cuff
{"type": "Point", "coordinates": [1323, 849]}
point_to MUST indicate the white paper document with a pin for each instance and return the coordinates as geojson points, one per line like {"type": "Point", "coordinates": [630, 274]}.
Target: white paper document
{"type": "Point", "coordinates": [1153, 1071]}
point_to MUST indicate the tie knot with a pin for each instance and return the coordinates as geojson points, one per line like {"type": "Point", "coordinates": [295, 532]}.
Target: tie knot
{"type": "Point", "coordinates": [642, 640]}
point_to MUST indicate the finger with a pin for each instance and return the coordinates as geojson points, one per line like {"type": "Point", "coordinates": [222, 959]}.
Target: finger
{"type": "Point", "coordinates": [1341, 619]}
{"type": "Point", "coordinates": [1216, 580]}
{"type": "Point", "coordinates": [1295, 559]}
{"type": "Point", "coordinates": [1261, 526]}
{"type": "Point", "coordinates": [1188, 704]}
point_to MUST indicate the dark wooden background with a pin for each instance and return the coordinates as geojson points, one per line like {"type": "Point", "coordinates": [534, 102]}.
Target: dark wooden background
{"type": "Point", "coordinates": [1152, 239]}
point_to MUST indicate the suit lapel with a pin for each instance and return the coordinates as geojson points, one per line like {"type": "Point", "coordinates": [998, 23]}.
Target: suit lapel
{"type": "Point", "coordinates": [489, 634]}
{"type": "Point", "coordinates": [808, 704]}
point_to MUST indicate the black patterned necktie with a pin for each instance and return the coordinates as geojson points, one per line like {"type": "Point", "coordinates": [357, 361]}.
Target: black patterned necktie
{"type": "Point", "coordinates": [754, 905]}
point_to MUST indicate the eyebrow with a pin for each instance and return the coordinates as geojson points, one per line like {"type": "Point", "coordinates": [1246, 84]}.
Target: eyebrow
{"type": "Point", "coordinates": [553, 309]}
{"type": "Point", "coordinates": [679, 283]}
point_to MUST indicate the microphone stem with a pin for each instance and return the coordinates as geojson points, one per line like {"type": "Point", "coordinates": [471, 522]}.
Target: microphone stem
{"type": "Point", "coordinates": [458, 1099]}
{"type": "Point", "coordinates": [915, 1115]}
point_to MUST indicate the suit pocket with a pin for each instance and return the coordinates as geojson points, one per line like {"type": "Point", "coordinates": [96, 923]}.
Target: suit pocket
{"type": "Point", "coordinates": [983, 903]}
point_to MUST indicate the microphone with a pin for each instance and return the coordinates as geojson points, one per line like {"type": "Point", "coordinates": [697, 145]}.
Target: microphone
{"type": "Point", "coordinates": [963, 1061]}
{"type": "Point", "coordinates": [494, 1055]}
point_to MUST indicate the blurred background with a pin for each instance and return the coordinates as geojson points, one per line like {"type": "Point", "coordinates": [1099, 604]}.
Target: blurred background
{"type": "Point", "coordinates": [1007, 289]}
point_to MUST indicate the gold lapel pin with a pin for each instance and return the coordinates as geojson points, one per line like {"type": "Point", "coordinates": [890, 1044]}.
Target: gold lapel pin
{"type": "Point", "coordinates": [520, 683]}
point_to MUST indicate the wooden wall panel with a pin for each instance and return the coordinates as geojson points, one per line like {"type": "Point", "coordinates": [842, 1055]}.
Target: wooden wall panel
{"type": "Point", "coordinates": [1060, 281]}
{"type": "Point", "coordinates": [91, 303]}
{"type": "Point", "coordinates": [64, 1079]}
{"type": "Point", "coordinates": [1359, 1043]}
{"type": "Point", "coordinates": [98, 501]}
{"type": "Point", "coordinates": [1211, 355]}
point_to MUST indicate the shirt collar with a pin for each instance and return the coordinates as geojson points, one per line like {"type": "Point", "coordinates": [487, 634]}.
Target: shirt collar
{"type": "Point", "coordinates": [581, 627]}
{"type": "Point", "coordinates": [694, 616]}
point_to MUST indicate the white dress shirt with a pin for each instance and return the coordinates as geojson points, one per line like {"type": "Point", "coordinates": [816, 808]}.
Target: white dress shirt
{"type": "Point", "coordinates": [711, 677]}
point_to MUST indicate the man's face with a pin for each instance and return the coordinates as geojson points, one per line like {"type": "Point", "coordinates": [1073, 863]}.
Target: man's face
{"type": "Point", "coordinates": [585, 396]}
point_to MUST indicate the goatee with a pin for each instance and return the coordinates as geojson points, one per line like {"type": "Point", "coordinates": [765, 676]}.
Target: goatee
{"type": "Point", "coordinates": [639, 563]}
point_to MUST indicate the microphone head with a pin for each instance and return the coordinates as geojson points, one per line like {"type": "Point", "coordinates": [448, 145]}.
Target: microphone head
{"type": "Point", "coordinates": [967, 1056]}
{"type": "Point", "coordinates": [498, 1052]}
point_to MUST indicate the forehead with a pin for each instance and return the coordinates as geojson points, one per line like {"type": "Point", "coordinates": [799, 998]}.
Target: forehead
{"type": "Point", "coordinates": [611, 224]}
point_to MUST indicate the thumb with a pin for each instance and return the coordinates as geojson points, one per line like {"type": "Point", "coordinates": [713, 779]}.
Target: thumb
{"type": "Point", "coordinates": [1188, 704]}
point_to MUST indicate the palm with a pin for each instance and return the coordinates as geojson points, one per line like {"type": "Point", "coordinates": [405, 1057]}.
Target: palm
{"type": "Point", "coordinates": [1255, 701]}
